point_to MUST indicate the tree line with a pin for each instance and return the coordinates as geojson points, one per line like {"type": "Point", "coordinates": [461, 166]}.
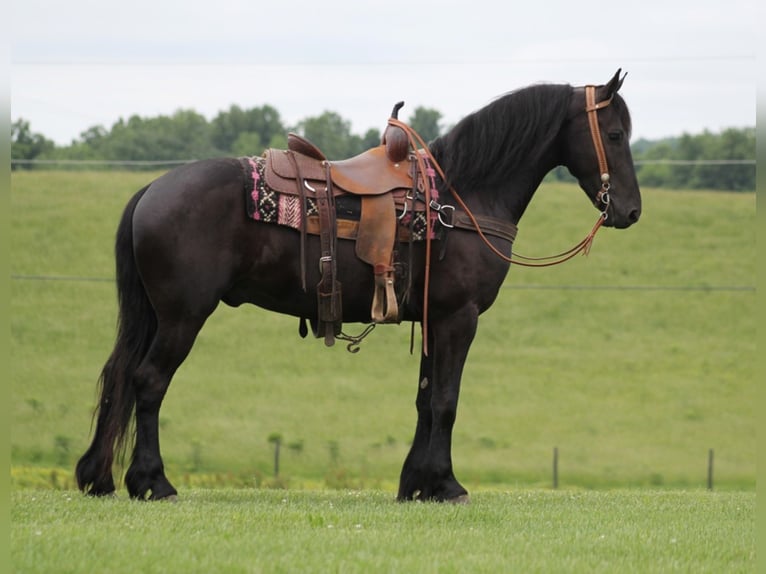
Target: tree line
{"type": "Point", "coordinates": [717, 161]}
{"type": "Point", "coordinates": [703, 161]}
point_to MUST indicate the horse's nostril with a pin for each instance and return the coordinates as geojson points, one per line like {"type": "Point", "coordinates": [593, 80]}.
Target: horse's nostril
{"type": "Point", "coordinates": [634, 216]}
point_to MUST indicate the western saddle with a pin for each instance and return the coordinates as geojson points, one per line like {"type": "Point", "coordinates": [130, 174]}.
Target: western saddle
{"type": "Point", "coordinates": [383, 178]}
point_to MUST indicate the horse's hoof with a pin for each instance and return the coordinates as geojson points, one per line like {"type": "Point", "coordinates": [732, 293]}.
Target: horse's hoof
{"type": "Point", "coordinates": [462, 499]}
{"type": "Point", "coordinates": [95, 493]}
{"type": "Point", "coordinates": [105, 495]}
{"type": "Point", "coordinates": [168, 498]}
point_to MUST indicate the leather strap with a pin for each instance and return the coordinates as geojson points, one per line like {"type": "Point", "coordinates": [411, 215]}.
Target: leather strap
{"type": "Point", "coordinates": [329, 313]}
{"type": "Point", "coordinates": [591, 108]}
{"type": "Point", "coordinates": [489, 225]}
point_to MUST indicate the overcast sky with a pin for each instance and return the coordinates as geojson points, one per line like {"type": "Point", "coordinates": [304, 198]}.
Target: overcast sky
{"type": "Point", "coordinates": [79, 63]}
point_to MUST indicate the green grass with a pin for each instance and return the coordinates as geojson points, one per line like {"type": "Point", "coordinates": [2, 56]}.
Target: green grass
{"type": "Point", "coordinates": [351, 531]}
{"type": "Point", "coordinates": [632, 385]}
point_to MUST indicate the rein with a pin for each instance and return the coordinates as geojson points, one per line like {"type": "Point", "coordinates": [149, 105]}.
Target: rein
{"type": "Point", "coordinates": [602, 197]}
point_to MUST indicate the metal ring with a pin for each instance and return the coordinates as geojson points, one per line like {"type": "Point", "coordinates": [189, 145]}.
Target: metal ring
{"type": "Point", "coordinates": [439, 212]}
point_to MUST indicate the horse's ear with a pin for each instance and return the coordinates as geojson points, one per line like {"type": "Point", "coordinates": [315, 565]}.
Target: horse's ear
{"type": "Point", "coordinates": [615, 83]}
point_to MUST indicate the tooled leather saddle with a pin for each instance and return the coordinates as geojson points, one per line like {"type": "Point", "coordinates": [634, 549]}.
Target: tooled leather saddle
{"type": "Point", "coordinates": [384, 178]}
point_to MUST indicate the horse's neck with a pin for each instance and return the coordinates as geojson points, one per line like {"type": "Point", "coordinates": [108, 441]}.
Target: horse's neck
{"type": "Point", "coordinates": [506, 195]}
{"type": "Point", "coordinates": [509, 200]}
{"type": "Point", "coordinates": [523, 187]}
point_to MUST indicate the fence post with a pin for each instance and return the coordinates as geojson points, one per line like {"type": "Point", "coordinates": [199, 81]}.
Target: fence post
{"type": "Point", "coordinates": [555, 467]}
{"type": "Point", "coordinates": [710, 469]}
{"type": "Point", "coordinates": [275, 438]}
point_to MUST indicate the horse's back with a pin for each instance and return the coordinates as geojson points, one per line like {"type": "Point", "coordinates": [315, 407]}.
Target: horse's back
{"type": "Point", "coordinates": [191, 190]}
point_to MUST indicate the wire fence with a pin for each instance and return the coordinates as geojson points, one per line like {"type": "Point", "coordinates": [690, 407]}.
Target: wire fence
{"type": "Point", "coordinates": [171, 162]}
{"type": "Point", "coordinates": [164, 163]}
{"type": "Point", "coordinates": [509, 286]}
{"type": "Point", "coordinates": [100, 162]}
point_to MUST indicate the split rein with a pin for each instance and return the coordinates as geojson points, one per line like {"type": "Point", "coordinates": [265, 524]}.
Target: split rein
{"type": "Point", "coordinates": [602, 197]}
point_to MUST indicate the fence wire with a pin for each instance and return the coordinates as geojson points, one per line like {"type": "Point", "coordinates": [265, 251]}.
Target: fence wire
{"type": "Point", "coordinates": [532, 287]}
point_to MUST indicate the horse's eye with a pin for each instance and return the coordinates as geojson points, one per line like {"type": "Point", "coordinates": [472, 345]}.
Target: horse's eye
{"type": "Point", "coordinates": [615, 136]}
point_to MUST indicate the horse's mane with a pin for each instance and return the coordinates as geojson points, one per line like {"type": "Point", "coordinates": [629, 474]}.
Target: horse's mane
{"type": "Point", "coordinates": [487, 145]}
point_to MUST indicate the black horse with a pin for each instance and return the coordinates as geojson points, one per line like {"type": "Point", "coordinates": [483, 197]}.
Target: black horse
{"type": "Point", "coordinates": [185, 243]}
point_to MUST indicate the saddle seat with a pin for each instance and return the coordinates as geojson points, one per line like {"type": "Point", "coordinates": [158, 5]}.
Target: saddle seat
{"type": "Point", "coordinates": [369, 173]}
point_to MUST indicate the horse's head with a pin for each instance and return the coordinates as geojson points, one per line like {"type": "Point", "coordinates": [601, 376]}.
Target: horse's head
{"type": "Point", "coordinates": [597, 151]}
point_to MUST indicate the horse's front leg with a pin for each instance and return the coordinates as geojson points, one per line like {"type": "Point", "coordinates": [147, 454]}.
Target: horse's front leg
{"type": "Point", "coordinates": [411, 479]}
{"type": "Point", "coordinates": [427, 472]}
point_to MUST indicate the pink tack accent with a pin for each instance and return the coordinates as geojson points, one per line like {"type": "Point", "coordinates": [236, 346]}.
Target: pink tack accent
{"type": "Point", "coordinates": [431, 173]}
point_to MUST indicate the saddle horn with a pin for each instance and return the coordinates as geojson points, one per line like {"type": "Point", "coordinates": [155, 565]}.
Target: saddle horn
{"type": "Point", "coordinates": [396, 141]}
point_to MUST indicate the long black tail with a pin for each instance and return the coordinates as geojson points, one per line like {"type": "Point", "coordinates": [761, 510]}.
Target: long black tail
{"type": "Point", "coordinates": [137, 325]}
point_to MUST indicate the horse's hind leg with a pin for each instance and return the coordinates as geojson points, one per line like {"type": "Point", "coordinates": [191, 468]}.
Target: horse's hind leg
{"type": "Point", "coordinates": [94, 469]}
{"type": "Point", "coordinates": [170, 347]}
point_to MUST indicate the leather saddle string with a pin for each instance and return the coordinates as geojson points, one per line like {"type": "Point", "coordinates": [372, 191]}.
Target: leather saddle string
{"type": "Point", "coordinates": [411, 242]}
{"type": "Point", "coordinates": [333, 243]}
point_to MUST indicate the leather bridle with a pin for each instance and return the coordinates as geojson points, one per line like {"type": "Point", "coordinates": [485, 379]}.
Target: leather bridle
{"type": "Point", "coordinates": [602, 198]}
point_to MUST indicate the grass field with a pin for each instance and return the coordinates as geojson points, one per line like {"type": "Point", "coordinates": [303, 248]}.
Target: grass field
{"type": "Point", "coordinates": [634, 362]}
{"type": "Point", "coordinates": [365, 531]}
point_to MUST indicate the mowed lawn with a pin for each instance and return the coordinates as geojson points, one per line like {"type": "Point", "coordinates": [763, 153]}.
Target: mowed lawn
{"type": "Point", "coordinates": [633, 362]}
{"type": "Point", "coordinates": [365, 531]}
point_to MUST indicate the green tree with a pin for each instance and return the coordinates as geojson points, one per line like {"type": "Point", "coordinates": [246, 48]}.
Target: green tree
{"type": "Point", "coordinates": [331, 134]}
{"type": "Point", "coordinates": [94, 136]}
{"type": "Point", "coordinates": [27, 145]}
{"type": "Point", "coordinates": [247, 144]}
{"type": "Point", "coordinates": [731, 144]}
{"type": "Point", "coordinates": [655, 174]}
{"type": "Point", "coordinates": [425, 121]}
{"type": "Point", "coordinates": [701, 154]}
{"type": "Point", "coordinates": [371, 138]}
{"type": "Point", "coordinates": [185, 135]}
{"type": "Point", "coordinates": [227, 127]}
